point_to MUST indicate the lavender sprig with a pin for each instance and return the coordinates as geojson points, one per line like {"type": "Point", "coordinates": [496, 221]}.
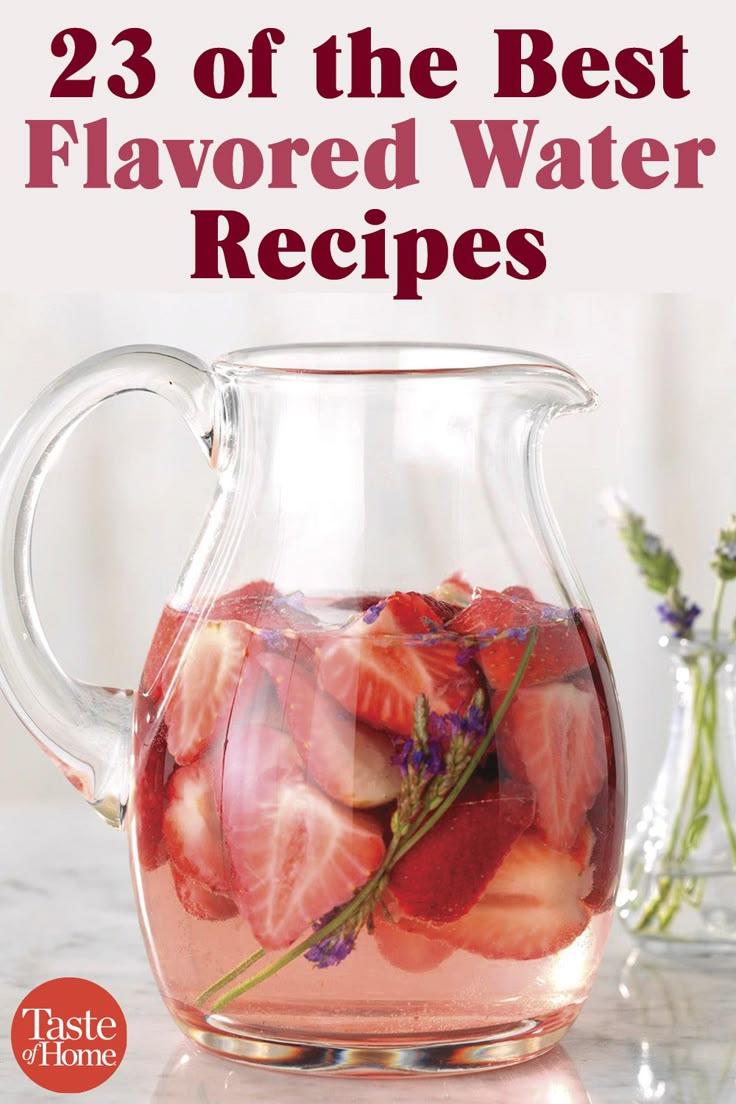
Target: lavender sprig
{"type": "Point", "coordinates": [679, 614]}
{"type": "Point", "coordinates": [431, 761]}
{"type": "Point", "coordinates": [335, 948]}
{"type": "Point", "coordinates": [657, 564]}
{"type": "Point", "coordinates": [334, 935]}
{"type": "Point", "coordinates": [661, 573]}
{"type": "Point", "coordinates": [724, 556]}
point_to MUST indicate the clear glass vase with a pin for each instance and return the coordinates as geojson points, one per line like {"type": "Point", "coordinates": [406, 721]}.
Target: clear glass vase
{"type": "Point", "coordinates": [679, 880]}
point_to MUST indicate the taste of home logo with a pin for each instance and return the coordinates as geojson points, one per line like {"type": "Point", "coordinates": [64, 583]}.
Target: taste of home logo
{"type": "Point", "coordinates": [69, 1035]}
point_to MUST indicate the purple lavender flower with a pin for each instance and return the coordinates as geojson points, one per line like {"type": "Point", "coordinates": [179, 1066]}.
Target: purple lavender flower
{"type": "Point", "coordinates": [434, 761]}
{"type": "Point", "coordinates": [436, 727]}
{"type": "Point", "coordinates": [417, 758]}
{"type": "Point", "coordinates": [273, 638]}
{"type": "Point", "coordinates": [681, 619]}
{"type": "Point", "coordinates": [444, 727]}
{"type": "Point", "coordinates": [331, 951]}
{"type": "Point", "coordinates": [520, 633]}
{"type": "Point", "coordinates": [334, 948]}
{"type": "Point", "coordinates": [428, 761]}
{"type": "Point", "coordinates": [374, 612]}
{"type": "Point", "coordinates": [294, 601]}
{"type": "Point", "coordinates": [476, 723]}
{"type": "Point", "coordinates": [651, 544]}
{"type": "Point", "coordinates": [466, 655]}
{"type": "Point", "coordinates": [401, 757]}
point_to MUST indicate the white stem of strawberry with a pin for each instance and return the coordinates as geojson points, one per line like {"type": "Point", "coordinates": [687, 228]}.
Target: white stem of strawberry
{"type": "Point", "coordinates": [398, 847]}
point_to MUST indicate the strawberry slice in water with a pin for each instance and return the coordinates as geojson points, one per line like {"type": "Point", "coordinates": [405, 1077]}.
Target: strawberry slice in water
{"type": "Point", "coordinates": [397, 650]}
{"type": "Point", "coordinates": [499, 623]}
{"type": "Point", "coordinates": [279, 623]}
{"type": "Point", "coordinates": [405, 949]}
{"type": "Point", "coordinates": [445, 873]}
{"type": "Point", "coordinates": [229, 606]}
{"type": "Point", "coordinates": [255, 703]}
{"type": "Point", "coordinates": [173, 630]}
{"type": "Point", "coordinates": [153, 766]}
{"type": "Point", "coordinates": [192, 830]}
{"type": "Point", "coordinates": [295, 854]}
{"type": "Point", "coordinates": [348, 760]}
{"type": "Point", "coordinates": [517, 592]}
{"type": "Point", "coordinates": [455, 590]}
{"type": "Point", "coordinates": [202, 683]}
{"type": "Point", "coordinates": [531, 908]}
{"type": "Point", "coordinates": [199, 901]}
{"type": "Point", "coordinates": [607, 819]}
{"type": "Point", "coordinates": [552, 737]}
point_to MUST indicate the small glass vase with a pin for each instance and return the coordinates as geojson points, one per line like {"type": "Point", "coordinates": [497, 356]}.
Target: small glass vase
{"type": "Point", "coordinates": [679, 881]}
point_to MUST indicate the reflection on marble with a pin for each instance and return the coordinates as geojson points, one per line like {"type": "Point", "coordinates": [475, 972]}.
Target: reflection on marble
{"type": "Point", "coordinates": [651, 1031]}
{"type": "Point", "coordinates": [682, 1015]}
{"type": "Point", "coordinates": [192, 1077]}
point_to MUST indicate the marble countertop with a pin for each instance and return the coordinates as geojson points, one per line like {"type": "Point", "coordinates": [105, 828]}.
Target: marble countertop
{"type": "Point", "coordinates": [650, 1031]}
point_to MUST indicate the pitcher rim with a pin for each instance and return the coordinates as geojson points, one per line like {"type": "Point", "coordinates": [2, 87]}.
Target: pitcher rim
{"type": "Point", "coordinates": [283, 359]}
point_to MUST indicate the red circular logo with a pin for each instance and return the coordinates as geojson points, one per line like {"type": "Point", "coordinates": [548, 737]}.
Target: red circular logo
{"type": "Point", "coordinates": [69, 1035]}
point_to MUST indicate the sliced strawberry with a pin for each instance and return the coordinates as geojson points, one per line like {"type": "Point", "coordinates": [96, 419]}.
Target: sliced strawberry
{"type": "Point", "coordinates": [444, 611]}
{"type": "Point", "coordinates": [499, 625]}
{"type": "Point", "coordinates": [379, 664]}
{"type": "Point", "coordinates": [519, 592]}
{"type": "Point", "coordinates": [446, 872]}
{"type": "Point", "coordinates": [229, 606]}
{"type": "Point", "coordinates": [153, 766]}
{"type": "Point", "coordinates": [407, 950]}
{"type": "Point", "coordinates": [255, 703]}
{"type": "Point", "coordinates": [200, 901]}
{"type": "Point", "coordinates": [531, 908]}
{"type": "Point", "coordinates": [203, 682]}
{"type": "Point", "coordinates": [552, 737]}
{"type": "Point", "coordinates": [279, 622]}
{"type": "Point", "coordinates": [192, 827]}
{"type": "Point", "coordinates": [455, 589]}
{"type": "Point", "coordinates": [353, 602]}
{"type": "Point", "coordinates": [582, 850]}
{"type": "Point", "coordinates": [295, 853]}
{"type": "Point", "coordinates": [172, 632]}
{"type": "Point", "coordinates": [350, 761]}
{"type": "Point", "coordinates": [608, 821]}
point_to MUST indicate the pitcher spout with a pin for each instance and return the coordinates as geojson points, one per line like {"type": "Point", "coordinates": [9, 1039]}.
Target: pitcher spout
{"type": "Point", "coordinates": [566, 390]}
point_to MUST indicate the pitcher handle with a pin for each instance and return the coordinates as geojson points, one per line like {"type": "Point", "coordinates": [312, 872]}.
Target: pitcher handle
{"type": "Point", "coordinates": [86, 729]}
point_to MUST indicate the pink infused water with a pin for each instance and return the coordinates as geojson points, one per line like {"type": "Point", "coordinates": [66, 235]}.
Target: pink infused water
{"type": "Point", "coordinates": [390, 820]}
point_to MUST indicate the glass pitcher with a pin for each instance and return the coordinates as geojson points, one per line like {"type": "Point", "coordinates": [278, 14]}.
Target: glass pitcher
{"type": "Point", "coordinates": [373, 775]}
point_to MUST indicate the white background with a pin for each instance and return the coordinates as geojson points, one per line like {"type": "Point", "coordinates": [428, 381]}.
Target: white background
{"type": "Point", "coordinates": [123, 505]}
{"type": "Point", "coordinates": [619, 239]}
